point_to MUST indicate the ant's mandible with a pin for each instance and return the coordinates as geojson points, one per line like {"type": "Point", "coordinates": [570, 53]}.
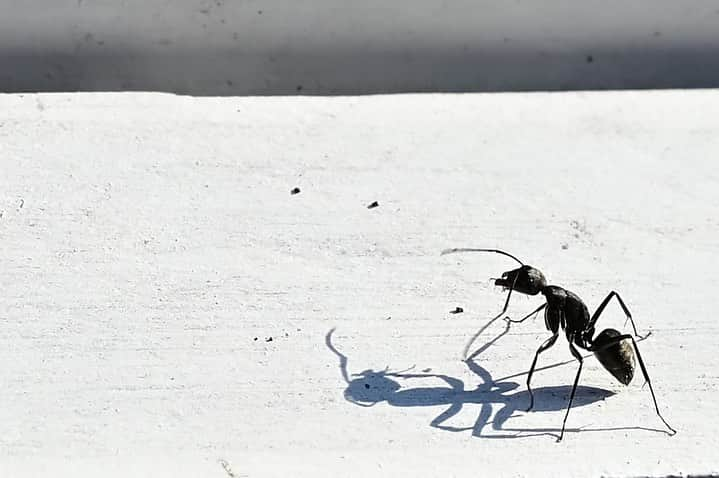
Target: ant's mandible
{"type": "Point", "coordinates": [565, 310]}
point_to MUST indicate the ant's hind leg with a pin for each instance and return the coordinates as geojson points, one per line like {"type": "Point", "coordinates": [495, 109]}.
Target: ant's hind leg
{"type": "Point", "coordinates": [604, 303]}
{"type": "Point", "coordinates": [548, 343]}
{"type": "Point", "coordinates": [618, 339]}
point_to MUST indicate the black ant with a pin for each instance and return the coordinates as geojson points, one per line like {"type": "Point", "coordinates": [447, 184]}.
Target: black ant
{"type": "Point", "coordinates": [566, 310]}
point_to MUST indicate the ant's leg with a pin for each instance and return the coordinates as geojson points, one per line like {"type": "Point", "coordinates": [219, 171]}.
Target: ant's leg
{"type": "Point", "coordinates": [479, 332]}
{"type": "Point", "coordinates": [526, 316]}
{"type": "Point", "coordinates": [604, 303]}
{"type": "Point", "coordinates": [506, 302]}
{"type": "Point", "coordinates": [618, 339]}
{"type": "Point", "coordinates": [577, 356]}
{"type": "Point", "coordinates": [548, 343]}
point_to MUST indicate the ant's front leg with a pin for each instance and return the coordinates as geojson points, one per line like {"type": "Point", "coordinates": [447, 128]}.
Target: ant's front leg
{"type": "Point", "coordinates": [604, 303]}
{"type": "Point", "coordinates": [535, 312]}
{"type": "Point", "coordinates": [465, 352]}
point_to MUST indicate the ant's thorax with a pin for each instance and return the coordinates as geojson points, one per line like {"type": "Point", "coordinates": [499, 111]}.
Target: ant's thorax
{"type": "Point", "coordinates": [553, 292]}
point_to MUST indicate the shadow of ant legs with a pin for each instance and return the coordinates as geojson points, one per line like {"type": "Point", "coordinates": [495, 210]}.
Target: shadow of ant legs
{"type": "Point", "coordinates": [508, 411]}
{"type": "Point", "coordinates": [370, 387]}
{"type": "Point", "coordinates": [474, 338]}
{"type": "Point", "coordinates": [547, 399]}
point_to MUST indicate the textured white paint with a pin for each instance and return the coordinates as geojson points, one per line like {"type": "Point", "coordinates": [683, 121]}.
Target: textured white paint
{"type": "Point", "coordinates": [147, 240]}
{"type": "Point", "coordinates": [221, 47]}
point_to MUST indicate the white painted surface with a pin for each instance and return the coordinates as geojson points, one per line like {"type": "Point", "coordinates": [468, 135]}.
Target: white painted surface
{"type": "Point", "coordinates": [147, 240]}
{"type": "Point", "coordinates": [220, 47]}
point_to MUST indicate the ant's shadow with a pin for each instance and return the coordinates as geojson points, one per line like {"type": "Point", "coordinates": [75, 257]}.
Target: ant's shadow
{"type": "Point", "coordinates": [370, 387]}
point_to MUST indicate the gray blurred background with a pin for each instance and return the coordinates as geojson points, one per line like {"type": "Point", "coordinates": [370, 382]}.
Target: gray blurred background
{"type": "Point", "coordinates": [328, 47]}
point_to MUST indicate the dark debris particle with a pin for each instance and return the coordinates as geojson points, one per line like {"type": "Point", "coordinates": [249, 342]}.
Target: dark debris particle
{"type": "Point", "coordinates": [565, 246]}
{"type": "Point", "coordinates": [373, 205]}
{"type": "Point", "coordinates": [255, 339]}
{"type": "Point", "coordinates": [366, 385]}
{"type": "Point", "coordinates": [268, 339]}
{"type": "Point", "coordinates": [457, 310]}
{"type": "Point", "coordinates": [299, 87]}
{"type": "Point", "coordinates": [295, 191]}
{"type": "Point", "coordinates": [590, 58]}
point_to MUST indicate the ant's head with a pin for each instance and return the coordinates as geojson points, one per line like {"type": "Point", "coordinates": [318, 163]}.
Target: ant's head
{"type": "Point", "coordinates": [617, 357]}
{"type": "Point", "coordinates": [525, 279]}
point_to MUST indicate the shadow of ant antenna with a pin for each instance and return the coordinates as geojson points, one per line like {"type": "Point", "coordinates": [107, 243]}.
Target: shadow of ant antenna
{"type": "Point", "coordinates": [342, 357]}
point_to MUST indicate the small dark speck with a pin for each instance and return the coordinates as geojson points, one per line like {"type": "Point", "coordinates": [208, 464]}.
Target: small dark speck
{"type": "Point", "coordinates": [299, 87]}
{"type": "Point", "coordinates": [255, 339]}
{"type": "Point", "coordinates": [657, 34]}
{"type": "Point", "coordinates": [286, 334]}
{"type": "Point", "coordinates": [295, 191]}
{"type": "Point", "coordinates": [373, 205]}
{"type": "Point", "coordinates": [590, 58]}
{"type": "Point", "coordinates": [366, 385]}
{"type": "Point", "coordinates": [259, 12]}
{"type": "Point", "coordinates": [388, 318]}
{"type": "Point", "coordinates": [565, 246]}
{"type": "Point", "coordinates": [229, 82]}
{"type": "Point", "coordinates": [268, 339]}
{"type": "Point", "coordinates": [457, 310]}
{"type": "Point", "coordinates": [21, 204]}
{"type": "Point", "coordinates": [427, 370]}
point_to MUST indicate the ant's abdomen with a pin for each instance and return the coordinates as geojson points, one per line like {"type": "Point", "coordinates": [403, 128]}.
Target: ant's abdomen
{"type": "Point", "coordinates": [616, 357]}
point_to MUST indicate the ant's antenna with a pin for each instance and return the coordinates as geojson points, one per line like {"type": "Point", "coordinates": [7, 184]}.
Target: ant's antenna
{"type": "Point", "coordinates": [467, 249]}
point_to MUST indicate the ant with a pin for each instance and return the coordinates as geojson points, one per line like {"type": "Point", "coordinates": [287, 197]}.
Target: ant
{"type": "Point", "coordinates": [567, 311]}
